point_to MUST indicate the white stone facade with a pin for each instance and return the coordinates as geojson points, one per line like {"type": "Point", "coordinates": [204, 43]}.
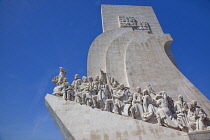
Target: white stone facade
{"type": "Point", "coordinates": [134, 51]}
{"type": "Point", "coordinates": [138, 58]}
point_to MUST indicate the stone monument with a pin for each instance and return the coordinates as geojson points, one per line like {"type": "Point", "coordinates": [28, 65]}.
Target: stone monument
{"type": "Point", "coordinates": [134, 90]}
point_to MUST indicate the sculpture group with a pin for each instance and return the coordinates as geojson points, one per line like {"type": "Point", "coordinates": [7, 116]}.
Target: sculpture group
{"type": "Point", "coordinates": [108, 94]}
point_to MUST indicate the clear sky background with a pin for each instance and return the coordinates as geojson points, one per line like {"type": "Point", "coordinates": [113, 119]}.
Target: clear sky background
{"type": "Point", "coordinates": [38, 36]}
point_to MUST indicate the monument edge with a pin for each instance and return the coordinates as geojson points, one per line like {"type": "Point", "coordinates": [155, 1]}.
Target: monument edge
{"type": "Point", "coordinates": [62, 128]}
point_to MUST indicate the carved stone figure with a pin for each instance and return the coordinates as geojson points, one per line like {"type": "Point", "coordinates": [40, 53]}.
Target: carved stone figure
{"type": "Point", "coordinates": [103, 76]}
{"type": "Point", "coordinates": [82, 90]}
{"type": "Point", "coordinates": [200, 124]}
{"type": "Point", "coordinates": [148, 106]}
{"type": "Point", "coordinates": [76, 83]}
{"type": "Point", "coordinates": [181, 111]}
{"type": "Point", "coordinates": [109, 103]}
{"type": "Point", "coordinates": [103, 94]}
{"type": "Point", "coordinates": [68, 91]}
{"type": "Point", "coordinates": [60, 82]}
{"type": "Point", "coordinates": [91, 95]}
{"type": "Point", "coordinates": [58, 90]}
{"type": "Point", "coordinates": [200, 116]}
{"type": "Point", "coordinates": [61, 75]}
{"type": "Point", "coordinates": [97, 80]}
{"type": "Point", "coordinates": [151, 91]}
{"type": "Point", "coordinates": [171, 105]}
{"type": "Point", "coordinates": [137, 104]}
{"type": "Point", "coordinates": [197, 118]}
{"type": "Point", "coordinates": [191, 115]}
{"type": "Point", "coordinates": [147, 100]}
{"type": "Point", "coordinates": [121, 95]}
{"type": "Point", "coordinates": [163, 113]}
{"type": "Point", "coordinates": [127, 103]}
{"type": "Point", "coordinates": [84, 83]}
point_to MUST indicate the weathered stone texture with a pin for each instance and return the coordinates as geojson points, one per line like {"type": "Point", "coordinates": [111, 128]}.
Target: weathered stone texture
{"type": "Point", "coordinates": [137, 58]}
{"type": "Point", "coordinates": [85, 123]}
{"type": "Point", "coordinates": [110, 15]}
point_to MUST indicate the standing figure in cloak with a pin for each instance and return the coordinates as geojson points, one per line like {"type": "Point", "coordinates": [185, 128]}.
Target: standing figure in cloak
{"type": "Point", "coordinates": [119, 98]}
{"type": "Point", "coordinates": [61, 75]}
{"type": "Point", "coordinates": [163, 113]}
{"type": "Point", "coordinates": [97, 80]}
{"type": "Point", "coordinates": [201, 116]}
{"type": "Point", "coordinates": [60, 82]}
{"type": "Point", "coordinates": [90, 97]}
{"type": "Point", "coordinates": [148, 106]}
{"type": "Point", "coordinates": [109, 103]}
{"type": "Point", "coordinates": [68, 94]}
{"type": "Point", "coordinates": [181, 111]}
{"type": "Point", "coordinates": [191, 116]}
{"type": "Point", "coordinates": [103, 94]}
{"type": "Point", "coordinates": [137, 104]}
{"type": "Point", "coordinates": [82, 90]}
{"type": "Point", "coordinates": [76, 83]}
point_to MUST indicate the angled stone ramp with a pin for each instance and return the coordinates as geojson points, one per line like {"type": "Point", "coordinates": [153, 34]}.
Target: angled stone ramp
{"type": "Point", "coordinates": [148, 63]}
{"type": "Point", "coordinates": [98, 49]}
{"type": "Point", "coordinates": [115, 57]}
{"type": "Point", "coordinates": [81, 122]}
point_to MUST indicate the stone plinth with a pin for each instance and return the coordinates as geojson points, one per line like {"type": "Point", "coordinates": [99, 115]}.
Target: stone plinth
{"type": "Point", "coordinates": [81, 122]}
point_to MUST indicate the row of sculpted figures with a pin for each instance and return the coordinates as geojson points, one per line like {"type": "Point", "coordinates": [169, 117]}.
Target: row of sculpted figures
{"type": "Point", "coordinates": [107, 94]}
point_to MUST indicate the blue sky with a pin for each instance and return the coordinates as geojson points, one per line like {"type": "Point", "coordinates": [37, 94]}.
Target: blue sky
{"type": "Point", "coordinates": [38, 36]}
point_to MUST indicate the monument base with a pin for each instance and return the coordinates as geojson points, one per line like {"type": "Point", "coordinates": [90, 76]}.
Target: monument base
{"type": "Point", "coordinates": [81, 122]}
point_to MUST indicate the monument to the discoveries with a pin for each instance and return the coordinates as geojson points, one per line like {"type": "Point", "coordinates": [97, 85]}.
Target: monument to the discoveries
{"type": "Point", "coordinates": [134, 89]}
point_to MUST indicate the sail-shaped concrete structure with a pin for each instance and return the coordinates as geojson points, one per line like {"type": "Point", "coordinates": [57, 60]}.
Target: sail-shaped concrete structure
{"type": "Point", "coordinates": [135, 51]}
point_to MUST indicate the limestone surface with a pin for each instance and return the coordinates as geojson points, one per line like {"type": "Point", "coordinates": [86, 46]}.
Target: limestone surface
{"type": "Point", "coordinates": [134, 51]}
{"type": "Point", "coordinates": [81, 122]}
{"type": "Point", "coordinates": [138, 58]}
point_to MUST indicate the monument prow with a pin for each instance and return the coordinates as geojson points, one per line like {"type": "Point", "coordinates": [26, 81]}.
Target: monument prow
{"type": "Point", "coordinates": [137, 91]}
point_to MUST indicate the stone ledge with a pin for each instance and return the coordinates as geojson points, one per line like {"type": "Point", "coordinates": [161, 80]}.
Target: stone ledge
{"type": "Point", "coordinates": [58, 122]}
{"type": "Point", "coordinates": [199, 135]}
{"type": "Point", "coordinates": [80, 122]}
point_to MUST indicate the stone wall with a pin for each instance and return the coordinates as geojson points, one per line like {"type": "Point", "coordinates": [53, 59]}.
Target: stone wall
{"type": "Point", "coordinates": [138, 58]}
{"type": "Point", "coordinates": [85, 123]}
